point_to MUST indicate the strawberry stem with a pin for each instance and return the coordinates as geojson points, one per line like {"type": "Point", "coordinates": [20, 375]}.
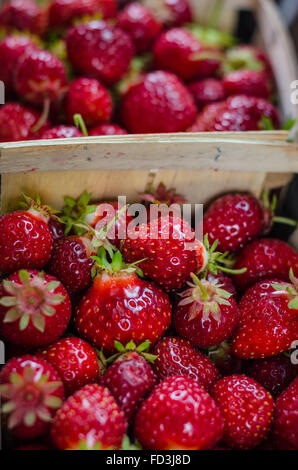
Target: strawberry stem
{"type": "Point", "coordinates": [204, 292]}
{"type": "Point", "coordinates": [285, 220]}
{"type": "Point", "coordinates": [43, 117]}
{"type": "Point", "coordinates": [80, 124]}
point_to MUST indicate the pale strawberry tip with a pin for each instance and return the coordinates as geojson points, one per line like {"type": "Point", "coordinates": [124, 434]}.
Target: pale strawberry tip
{"type": "Point", "coordinates": [36, 208]}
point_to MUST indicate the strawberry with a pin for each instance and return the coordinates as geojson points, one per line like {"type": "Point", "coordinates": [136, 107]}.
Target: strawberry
{"type": "Point", "coordinates": [247, 82]}
{"type": "Point", "coordinates": [247, 409]}
{"type": "Point", "coordinates": [162, 195]}
{"type": "Point", "coordinates": [179, 415]}
{"type": "Point", "coordinates": [24, 15]}
{"type": "Point", "coordinates": [18, 122]}
{"type": "Point", "coordinates": [56, 227]}
{"type": "Point", "coordinates": [265, 259]}
{"type": "Point", "coordinates": [63, 13]}
{"type": "Point", "coordinates": [170, 12]}
{"type": "Point", "coordinates": [274, 373]}
{"type": "Point", "coordinates": [159, 103]}
{"type": "Point", "coordinates": [141, 310]}
{"type": "Point", "coordinates": [257, 107]}
{"type": "Point", "coordinates": [61, 132]}
{"type": "Point", "coordinates": [107, 129]}
{"type": "Point", "coordinates": [285, 428]}
{"type": "Point", "coordinates": [138, 21]}
{"type": "Point", "coordinates": [176, 356]}
{"type": "Point", "coordinates": [90, 99]}
{"type": "Point", "coordinates": [92, 416]}
{"type": "Point", "coordinates": [247, 57]}
{"type": "Point", "coordinates": [100, 50]}
{"type": "Point", "coordinates": [34, 308]}
{"type": "Point", "coordinates": [130, 378]}
{"type": "Point", "coordinates": [268, 319]}
{"type": "Point", "coordinates": [170, 250]}
{"type": "Point", "coordinates": [227, 283]}
{"type": "Point", "coordinates": [225, 360]}
{"type": "Point", "coordinates": [75, 361]}
{"type": "Point", "coordinates": [207, 314]}
{"type": "Point", "coordinates": [207, 91]}
{"type": "Point", "coordinates": [25, 239]}
{"type": "Point", "coordinates": [178, 51]}
{"type": "Point", "coordinates": [31, 391]}
{"type": "Point", "coordinates": [11, 49]}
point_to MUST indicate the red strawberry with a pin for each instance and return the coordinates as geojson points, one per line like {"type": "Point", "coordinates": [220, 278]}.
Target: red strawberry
{"type": "Point", "coordinates": [140, 309]}
{"type": "Point", "coordinates": [34, 308]}
{"type": "Point", "coordinates": [75, 361]}
{"type": "Point", "coordinates": [25, 239]}
{"type": "Point", "coordinates": [265, 259]}
{"type": "Point", "coordinates": [138, 21]}
{"type": "Point", "coordinates": [56, 227]}
{"type": "Point", "coordinates": [100, 50]}
{"type": "Point", "coordinates": [179, 414]}
{"type": "Point", "coordinates": [178, 51]}
{"type": "Point", "coordinates": [31, 390]}
{"type": "Point", "coordinates": [286, 418]}
{"type": "Point", "coordinates": [159, 103]}
{"type": "Point", "coordinates": [90, 99]}
{"type": "Point", "coordinates": [63, 13]}
{"type": "Point", "coordinates": [207, 314]}
{"type": "Point", "coordinates": [18, 122]}
{"type": "Point", "coordinates": [11, 49]}
{"type": "Point", "coordinates": [256, 107]}
{"type": "Point", "coordinates": [224, 359]}
{"type": "Point", "coordinates": [247, 82]}
{"type": "Point", "coordinates": [107, 129]}
{"type": "Point", "coordinates": [247, 409]}
{"type": "Point", "coordinates": [130, 378]}
{"type": "Point", "coordinates": [170, 250]}
{"type": "Point", "coordinates": [176, 356]}
{"type": "Point", "coordinates": [268, 319]}
{"type": "Point", "coordinates": [248, 57]}
{"type": "Point", "coordinates": [90, 416]}
{"type": "Point", "coordinates": [61, 132]}
{"type": "Point", "coordinates": [170, 12]}
{"type": "Point", "coordinates": [208, 91]}
{"type": "Point", "coordinates": [24, 15]}
{"type": "Point", "coordinates": [274, 373]}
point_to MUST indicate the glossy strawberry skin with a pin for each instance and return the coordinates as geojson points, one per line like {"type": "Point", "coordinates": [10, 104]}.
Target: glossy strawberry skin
{"type": "Point", "coordinates": [24, 15]}
{"type": "Point", "coordinates": [86, 96]}
{"type": "Point", "coordinates": [100, 50]}
{"type": "Point", "coordinates": [61, 132]}
{"type": "Point", "coordinates": [285, 429]}
{"type": "Point", "coordinates": [139, 22]}
{"type": "Point", "coordinates": [56, 227]}
{"type": "Point", "coordinates": [62, 13]}
{"type": "Point", "coordinates": [234, 220]}
{"type": "Point", "coordinates": [247, 55]}
{"type": "Point", "coordinates": [17, 122]}
{"type": "Point", "coordinates": [71, 263]}
{"type": "Point", "coordinates": [247, 82]}
{"type": "Point", "coordinates": [55, 325]}
{"type": "Point", "coordinates": [25, 242]}
{"type": "Point", "coordinates": [75, 361]}
{"type": "Point", "coordinates": [159, 103]}
{"type": "Point", "coordinates": [265, 259]}
{"type": "Point", "coordinates": [90, 415]}
{"type": "Point", "coordinates": [122, 308]}
{"type": "Point", "coordinates": [130, 379]}
{"type": "Point", "coordinates": [247, 409]}
{"type": "Point", "coordinates": [267, 325]}
{"type": "Point", "coordinates": [107, 129]}
{"type": "Point", "coordinates": [169, 261]}
{"type": "Point", "coordinates": [207, 91]}
{"type": "Point", "coordinates": [179, 414]}
{"type": "Point", "coordinates": [40, 368]}
{"type": "Point", "coordinates": [177, 356]}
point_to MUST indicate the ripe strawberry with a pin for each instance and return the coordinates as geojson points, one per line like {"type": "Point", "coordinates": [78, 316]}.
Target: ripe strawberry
{"type": "Point", "coordinates": [247, 82]}
{"type": "Point", "coordinates": [274, 373]}
{"type": "Point", "coordinates": [257, 107]}
{"type": "Point", "coordinates": [179, 414]}
{"type": "Point", "coordinates": [170, 250]}
{"type": "Point", "coordinates": [207, 91]}
{"type": "Point", "coordinates": [31, 390]}
{"type": "Point", "coordinates": [61, 132]}
{"type": "Point", "coordinates": [268, 319]}
{"type": "Point", "coordinates": [265, 259]}
{"type": "Point", "coordinates": [227, 283]}
{"type": "Point", "coordinates": [130, 378]}
{"type": "Point", "coordinates": [75, 361]}
{"type": "Point", "coordinates": [176, 356]}
{"type": "Point", "coordinates": [25, 239]}
{"type": "Point", "coordinates": [56, 227]}
{"type": "Point", "coordinates": [170, 12]}
{"type": "Point", "coordinates": [18, 122]}
{"type": "Point", "coordinates": [107, 129]}
{"type": "Point", "coordinates": [24, 15]}
{"type": "Point", "coordinates": [34, 308]}
{"type": "Point", "coordinates": [90, 416]}
{"type": "Point", "coordinates": [141, 310]}
{"type": "Point", "coordinates": [285, 428]}
{"type": "Point", "coordinates": [63, 13]}
{"type": "Point", "coordinates": [100, 50]}
{"type": "Point", "coordinates": [138, 21]}
{"type": "Point", "coordinates": [178, 51]}
{"type": "Point", "coordinates": [247, 409]}
{"type": "Point", "coordinates": [225, 361]}
{"type": "Point", "coordinates": [248, 57]}
{"type": "Point", "coordinates": [90, 99]}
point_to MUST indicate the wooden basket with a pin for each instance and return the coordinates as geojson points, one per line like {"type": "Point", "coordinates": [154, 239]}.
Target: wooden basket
{"type": "Point", "coordinates": [200, 166]}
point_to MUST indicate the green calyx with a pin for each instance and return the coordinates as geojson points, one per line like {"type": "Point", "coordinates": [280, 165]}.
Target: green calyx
{"type": "Point", "coordinates": [35, 206]}
{"type": "Point", "coordinates": [269, 208]}
{"type": "Point", "coordinates": [218, 261]}
{"type": "Point", "coordinates": [142, 349]}
{"type": "Point", "coordinates": [126, 445]}
{"type": "Point", "coordinates": [75, 211]}
{"type": "Point", "coordinates": [291, 290]}
{"type": "Point", "coordinates": [116, 265]}
{"type": "Point", "coordinates": [211, 37]}
{"type": "Point", "coordinates": [162, 195]}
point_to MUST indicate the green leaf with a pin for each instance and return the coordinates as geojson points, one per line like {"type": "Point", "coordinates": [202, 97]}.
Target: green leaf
{"type": "Point", "coordinates": [15, 378]}
{"type": "Point", "coordinates": [8, 301]}
{"type": "Point", "coordinates": [293, 304]}
{"type": "Point", "coordinates": [52, 285]}
{"type": "Point", "coordinates": [30, 419]}
{"type": "Point", "coordinates": [267, 123]}
{"type": "Point", "coordinates": [24, 321]}
{"type": "Point", "coordinates": [53, 402]}
{"type": "Point", "coordinates": [289, 124]}
{"type": "Point", "coordinates": [24, 275]}
{"type": "Point", "coordinates": [117, 261]}
{"type": "Point", "coordinates": [144, 346]}
{"type": "Point", "coordinates": [8, 407]}
{"type": "Point", "coordinates": [39, 322]}
{"type": "Point", "coordinates": [12, 315]}
{"type": "Point", "coordinates": [131, 346]}
{"type": "Point", "coordinates": [48, 310]}
{"type": "Point", "coordinates": [84, 199]}
{"type": "Point", "coordinates": [119, 346]}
